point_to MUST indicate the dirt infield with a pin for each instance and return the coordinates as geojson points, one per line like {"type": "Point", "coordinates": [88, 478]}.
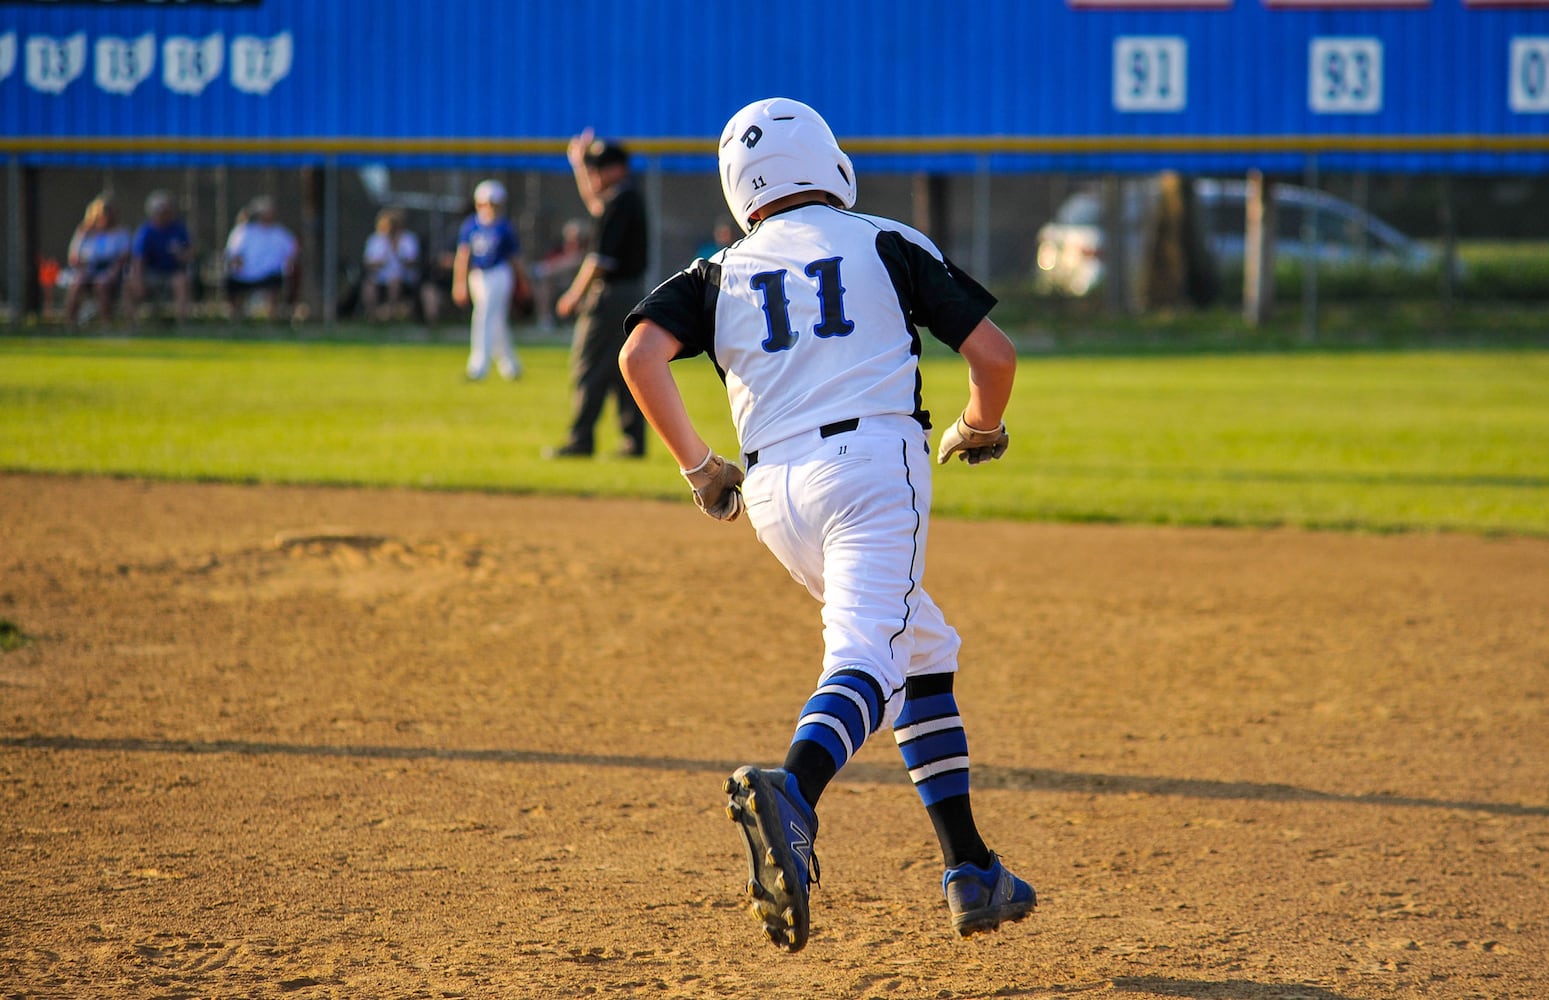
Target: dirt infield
{"type": "Point", "coordinates": [287, 742]}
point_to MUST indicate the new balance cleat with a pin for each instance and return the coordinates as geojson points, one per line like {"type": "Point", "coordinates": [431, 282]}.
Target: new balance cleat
{"type": "Point", "coordinates": [778, 828]}
{"type": "Point", "coordinates": [981, 899]}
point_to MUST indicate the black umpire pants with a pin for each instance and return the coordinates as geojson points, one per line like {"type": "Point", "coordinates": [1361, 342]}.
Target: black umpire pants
{"type": "Point", "coordinates": [594, 367]}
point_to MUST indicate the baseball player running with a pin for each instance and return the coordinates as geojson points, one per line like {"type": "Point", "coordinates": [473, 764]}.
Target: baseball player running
{"type": "Point", "coordinates": [811, 319]}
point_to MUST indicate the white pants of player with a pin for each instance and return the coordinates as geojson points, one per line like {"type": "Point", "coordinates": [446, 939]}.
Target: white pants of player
{"type": "Point", "coordinates": [848, 516]}
{"type": "Point", "coordinates": [490, 335]}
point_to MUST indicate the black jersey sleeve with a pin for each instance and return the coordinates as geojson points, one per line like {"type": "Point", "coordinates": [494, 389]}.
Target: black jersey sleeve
{"type": "Point", "coordinates": [935, 293]}
{"type": "Point", "coordinates": [683, 305]}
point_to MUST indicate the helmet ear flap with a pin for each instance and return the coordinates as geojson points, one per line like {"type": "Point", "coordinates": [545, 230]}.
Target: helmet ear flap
{"type": "Point", "coordinates": [847, 171]}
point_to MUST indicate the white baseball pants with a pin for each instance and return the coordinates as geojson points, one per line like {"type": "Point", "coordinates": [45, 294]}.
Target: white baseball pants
{"type": "Point", "coordinates": [848, 516]}
{"type": "Point", "coordinates": [490, 333]}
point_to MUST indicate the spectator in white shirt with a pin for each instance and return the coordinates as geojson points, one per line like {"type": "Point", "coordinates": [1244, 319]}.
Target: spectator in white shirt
{"type": "Point", "coordinates": [262, 256]}
{"type": "Point", "coordinates": [392, 262]}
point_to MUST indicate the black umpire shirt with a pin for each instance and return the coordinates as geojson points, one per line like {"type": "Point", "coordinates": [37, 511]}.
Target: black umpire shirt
{"type": "Point", "coordinates": [619, 234]}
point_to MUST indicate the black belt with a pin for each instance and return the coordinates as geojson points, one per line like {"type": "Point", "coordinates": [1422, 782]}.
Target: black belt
{"type": "Point", "coordinates": [826, 431]}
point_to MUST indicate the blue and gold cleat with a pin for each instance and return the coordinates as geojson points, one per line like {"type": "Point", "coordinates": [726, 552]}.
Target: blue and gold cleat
{"type": "Point", "coordinates": [982, 899]}
{"type": "Point", "coordinates": [778, 828]}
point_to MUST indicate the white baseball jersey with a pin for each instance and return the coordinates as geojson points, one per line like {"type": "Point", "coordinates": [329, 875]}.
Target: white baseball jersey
{"type": "Point", "coordinates": [812, 319]}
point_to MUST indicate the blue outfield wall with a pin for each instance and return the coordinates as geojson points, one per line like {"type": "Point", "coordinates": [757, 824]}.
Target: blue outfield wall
{"type": "Point", "coordinates": [1227, 85]}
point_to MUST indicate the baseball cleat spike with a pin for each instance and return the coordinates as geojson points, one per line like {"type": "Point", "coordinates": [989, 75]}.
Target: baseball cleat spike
{"type": "Point", "coordinates": [733, 811]}
{"type": "Point", "coordinates": [778, 829]}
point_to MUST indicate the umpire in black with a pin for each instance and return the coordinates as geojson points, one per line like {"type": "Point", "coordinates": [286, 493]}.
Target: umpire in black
{"type": "Point", "coordinates": [611, 280]}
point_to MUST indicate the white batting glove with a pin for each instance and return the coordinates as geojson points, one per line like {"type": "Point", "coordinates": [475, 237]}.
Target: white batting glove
{"type": "Point", "coordinates": [971, 444]}
{"type": "Point", "coordinates": [717, 486]}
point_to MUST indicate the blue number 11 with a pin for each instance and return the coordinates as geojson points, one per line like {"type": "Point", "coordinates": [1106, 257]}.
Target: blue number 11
{"type": "Point", "coordinates": [777, 316]}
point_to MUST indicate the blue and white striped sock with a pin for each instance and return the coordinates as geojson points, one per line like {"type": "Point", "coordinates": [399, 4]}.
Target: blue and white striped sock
{"type": "Point", "coordinates": [935, 748]}
{"type": "Point", "coordinates": [845, 710]}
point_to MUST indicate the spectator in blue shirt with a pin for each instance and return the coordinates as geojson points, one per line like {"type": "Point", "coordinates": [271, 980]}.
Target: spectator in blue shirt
{"type": "Point", "coordinates": [161, 256]}
{"type": "Point", "coordinates": [99, 250]}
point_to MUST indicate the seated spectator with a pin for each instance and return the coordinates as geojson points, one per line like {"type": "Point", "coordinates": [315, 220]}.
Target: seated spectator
{"type": "Point", "coordinates": [262, 257]}
{"type": "Point", "coordinates": [392, 261]}
{"type": "Point", "coordinates": [436, 284]}
{"type": "Point", "coordinates": [99, 252]}
{"type": "Point", "coordinates": [554, 272]}
{"type": "Point", "coordinates": [720, 238]}
{"type": "Point", "coordinates": [161, 256]}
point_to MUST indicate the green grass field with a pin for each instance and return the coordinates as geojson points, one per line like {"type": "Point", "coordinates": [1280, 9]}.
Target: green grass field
{"type": "Point", "coordinates": [1380, 441]}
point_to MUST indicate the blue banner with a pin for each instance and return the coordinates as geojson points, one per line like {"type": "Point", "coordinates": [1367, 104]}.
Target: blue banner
{"type": "Point", "coordinates": [917, 84]}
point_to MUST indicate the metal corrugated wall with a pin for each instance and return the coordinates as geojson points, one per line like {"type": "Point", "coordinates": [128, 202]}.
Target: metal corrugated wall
{"type": "Point", "coordinates": [926, 83]}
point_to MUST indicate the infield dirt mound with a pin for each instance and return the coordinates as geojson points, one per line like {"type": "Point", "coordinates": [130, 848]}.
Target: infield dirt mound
{"type": "Point", "coordinates": [300, 742]}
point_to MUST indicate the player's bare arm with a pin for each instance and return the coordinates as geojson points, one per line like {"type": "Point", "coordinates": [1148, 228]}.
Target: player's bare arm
{"type": "Point", "coordinates": [460, 275]}
{"type": "Point", "coordinates": [992, 366]}
{"type": "Point", "coordinates": [979, 434]}
{"type": "Point", "coordinates": [644, 361]}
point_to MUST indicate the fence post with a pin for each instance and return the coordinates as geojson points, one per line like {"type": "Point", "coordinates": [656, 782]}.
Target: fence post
{"type": "Point", "coordinates": [1116, 245]}
{"type": "Point", "coordinates": [1449, 244]}
{"type": "Point", "coordinates": [982, 216]}
{"type": "Point", "coordinates": [1258, 265]}
{"type": "Point", "coordinates": [14, 292]}
{"type": "Point", "coordinates": [656, 221]}
{"type": "Point", "coordinates": [1312, 241]}
{"type": "Point", "coordinates": [331, 241]}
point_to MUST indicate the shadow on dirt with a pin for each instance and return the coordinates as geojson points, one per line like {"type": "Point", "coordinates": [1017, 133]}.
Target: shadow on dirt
{"type": "Point", "coordinates": [1231, 989]}
{"type": "Point", "coordinates": [984, 776]}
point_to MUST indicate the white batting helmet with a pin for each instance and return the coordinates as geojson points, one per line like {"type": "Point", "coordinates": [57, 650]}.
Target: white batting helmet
{"type": "Point", "coordinates": [776, 147]}
{"type": "Point", "coordinates": [490, 192]}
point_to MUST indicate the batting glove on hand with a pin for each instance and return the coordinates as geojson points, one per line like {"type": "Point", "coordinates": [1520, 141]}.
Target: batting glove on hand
{"type": "Point", "coordinates": [717, 487]}
{"type": "Point", "coordinates": [971, 444]}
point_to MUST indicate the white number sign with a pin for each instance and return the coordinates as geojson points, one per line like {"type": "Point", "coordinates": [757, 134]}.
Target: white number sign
{"type": "Point", "coordinates": [122, 64]}
{"type": "Point", "coordinates": [7, 54]}
{"type": "Point", "coordinates": [54, 63]}
{"type": "Point", "coordinates": [189, 64]}
{"type": "Point", "coordinates": [1530, 74]}
{"type": "Point", "coordinates": [1150, 73]}
{"type": "Point", "coordinates": [1344, 76]}
{"type": "Point", "coordinates": [257, 64]}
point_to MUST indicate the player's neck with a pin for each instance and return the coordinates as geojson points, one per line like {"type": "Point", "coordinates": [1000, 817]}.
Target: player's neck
{"type": "Point", "coordinates": [789, 202]}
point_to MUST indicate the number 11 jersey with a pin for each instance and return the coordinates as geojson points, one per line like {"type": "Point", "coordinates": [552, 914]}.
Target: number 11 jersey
{"type": "Point", "coordinates": [814, 317]}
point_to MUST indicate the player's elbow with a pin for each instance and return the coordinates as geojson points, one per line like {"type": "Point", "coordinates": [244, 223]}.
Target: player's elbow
{"type": "Point", "coordinates": [636, 356]}
{"type": "Point", "coordinates": [989, 351]}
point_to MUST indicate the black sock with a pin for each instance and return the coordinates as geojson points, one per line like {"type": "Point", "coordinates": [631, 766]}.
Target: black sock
{"type": "Point", "coordinates": [960, 841]}
{"type": "Point", "coordinates": [813, 767]}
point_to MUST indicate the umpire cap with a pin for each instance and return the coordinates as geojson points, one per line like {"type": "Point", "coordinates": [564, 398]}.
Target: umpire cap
{"type": "Point", "coordinates": [605, 153]}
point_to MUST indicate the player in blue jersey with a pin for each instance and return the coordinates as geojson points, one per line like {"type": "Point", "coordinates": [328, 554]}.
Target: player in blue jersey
{"type": "Point", "coordinates": [812, 317]}
{"type": "Point", "coordinates": [488, 270]}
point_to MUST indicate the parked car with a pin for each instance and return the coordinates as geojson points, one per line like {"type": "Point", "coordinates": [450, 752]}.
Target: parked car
{"type": "Point", "coordinates": [1071, 246]}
